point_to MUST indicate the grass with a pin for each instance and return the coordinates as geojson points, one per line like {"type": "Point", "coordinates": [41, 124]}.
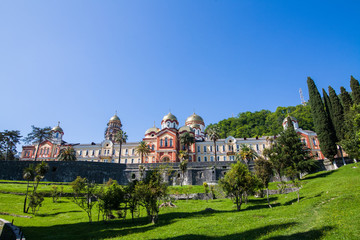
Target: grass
{"type": "Point", "coordinates": [328, 209]}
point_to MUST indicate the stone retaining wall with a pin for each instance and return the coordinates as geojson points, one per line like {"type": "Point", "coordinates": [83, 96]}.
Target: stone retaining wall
{"type": "Point", "coordinates": [10, 231]}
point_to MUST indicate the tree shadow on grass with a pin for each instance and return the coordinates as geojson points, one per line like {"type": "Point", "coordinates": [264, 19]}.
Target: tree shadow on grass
{"type": "Point", "coordinates": [109, 229]}
{"type": "Point", "coordinates": [54, 214]}
{"type": "Point", "coordinates": [249, 234]}
{"type": "Point", "coordinates": [321, 175]}
{"type": "Point", "coordinates": [290, 202]}
{"type": "Point", "coordinates": [311, 234]}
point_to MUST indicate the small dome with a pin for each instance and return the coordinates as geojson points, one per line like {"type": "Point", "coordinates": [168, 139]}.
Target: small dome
{"type": "Point", "coordinates": [195, 126]}
{"type": "Point", "coordinates": [115, 118]}
{"type": "Point", "coordinates": [194, 119]}
{"type": "Point", "coordinates": [150, 130]}
{"type": "Point", "coordinates": [57, 129]}
{"type": "Point", "coordinates": [169, 116]}
{"type": "Point", "coordinates": [185, 128]}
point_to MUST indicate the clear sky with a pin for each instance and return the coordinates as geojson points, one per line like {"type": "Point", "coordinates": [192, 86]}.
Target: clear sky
{"type": "Point", "coordinates": [80, 61]}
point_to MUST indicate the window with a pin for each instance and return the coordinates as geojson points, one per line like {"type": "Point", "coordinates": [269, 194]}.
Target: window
{"type": "Point", "coordinates": [87, 152]}
{"type": "Point", "coordinates": [257, 147]}
{"type": "Point", "coordinates": [190, 158]}
{"type": "Point", "coordinates": [113, 151]}
{"type": "Point", "coordinates": [231, 158]}
{"type": "Point", "coordinates": [263, 146]}
{"type": "Point", "coordinates": [171, 142]}
{"type": "Point", "coordinates": [126, 152]}
{"type": "Point", "coordinates": [153, 147]}
{"type": "Point", "coordinates": [205, 159]}
{"type": "Point", "coordinates": [211, 149]}
{"type": "Point", "coordinates": [212, 158]}
{"type": "Point", "coordinates": [57, 135]}
{"type": "Point", "coordinates": [153, 159]}
{"type": "Point", "coordinates": [223, 148]}
{"type": "Point", "coordinates": [198, 148]}
{"type": "Point", "coordinates": [125, 160]}
{"type": "Point", "coordinates": [161, 142]}
{"type": "Point", "coordinates": [218, 158]}
{"type": "Point", "coordinates": [132, 160]}
{"type": "Point", "coordinates": [112, 160]}
{"type": "Point", "coordinates": [217, 148]}
{"type": "Point", "coordinates": [80, 153]}
{"type": "Point", "coordinates": [237, 147]}
{"type": "Point", "coordinates": [93, 153]}
{"type": "Point", "coordinates": [99, 152]}
{"type": "Point", "coordinates": [314, 141]}
{"type": "Point", "coordinates": [204, 149]}
{"type": "Point", "coordinates": [166, 142]}
{"type": "Point", "coordinates": [41, 151]}
{"type": "Point", "coordinates": [224, 158]}
{"type": "Point", "coordinates": [132, 151]}
{"type": "Point", "coordinates": [199, 159]}
{"type": "Point", "coordinates": [47, 151]}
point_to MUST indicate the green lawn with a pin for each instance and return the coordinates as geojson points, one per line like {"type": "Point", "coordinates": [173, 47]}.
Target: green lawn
{"type": "Point", "coordinates": [329, 209]}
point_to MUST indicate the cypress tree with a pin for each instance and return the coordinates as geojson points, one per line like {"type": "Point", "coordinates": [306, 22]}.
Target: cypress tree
{"type": "Point", "coordinates": [355, 88]}
{"type": "Point", "coordinates": [345, 99]}
{"type": "Point", "coordinates": [321, 122]}
{"type": "Point", "coordinates": [337, 114]}
{"type": "Point", "coordinates": [327, 104]}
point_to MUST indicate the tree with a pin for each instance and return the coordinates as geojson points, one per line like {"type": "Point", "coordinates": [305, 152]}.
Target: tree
{"type": "Point", "coordinates": [186, 139]}
{"type": "Point", "coordinates": [84, 194]}
{"type": "Point", "coordinates": [345, 99]}
{"type": "Point", "coordinates": [120, 137]}
{"type": "Point", "coordinates": [132, 198]}
{"type": "Point", "coordinates": [8, 141]}
{"type": "Point", "coordinates": [213, 133]}
{"type": "Point", "coordinates": [143, 150]}
{"type": "Point", "coordinates": [355, 87]}
{"type": "Point", "coordinates": [247, 154]}
{"type": "Point", "coordinates": [67, 154]}
{"type": "Point", "coordinates": [236, 182]}
{"type": "Point", "coordinates": [264, 171]}
{"type": "Point", "coordinates": [351, 141]}
{"type": "Point", "coordinates": [38, 135]}
{"type": "Point", "coordinates": [321, 122]}
{"type": "Point", "coordinates": [28, 175]}
{"type": "Point", "coordinates": [149, 192]}
{"type": "Point", "coordinates": [112, 198]}
{"type": "Point", "coordinates": [183, 168]}
{"type": "Point", "coordinates": [328, 107]}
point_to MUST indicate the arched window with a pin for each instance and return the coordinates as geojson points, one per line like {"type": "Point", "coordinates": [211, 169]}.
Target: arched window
{"type": "Point", "coordinates": [80, 153]}
{"type": "Point", "coordinates": [57, 135]}
{"type": "Point", "coordinates": [166, 142]}
{"type": "Point", "coordinates": [161, 142]}
{"type": "Point", "coordinates": [153, 147]}
{"type": "Point", "coordinates": [171, 142]}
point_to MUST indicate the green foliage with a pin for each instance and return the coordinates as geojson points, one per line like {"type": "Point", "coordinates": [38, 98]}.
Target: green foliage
{"type": "Point", "coordinates": [322, 122]}
{"type": "Point", "coordinates": [120, 137]}
{"type": "Point", "coordinates": [186, 139]}
{"type": "Point", "coordinates": [149, 193]}
{"type": "Point", "coordinates": [264, 171]}
{"type": "Point", "coordinates": [237, 182]}
{"type": "Point", "coordinates": [8, 141]}
{"type": "Point", "coordinates": [112, 198]}
{"type": "Point", "coordinates": [213, 132]}
{"type": "Point", "coordinates": [337, 114]}
{"type": "Point", "coordinates": [247, 154]}
{"type": "Point", "coordinates": [84, 195]}
{"type": "Point", "coordinates": [355, 87]}
{"type": "Point", "coordinates": [206, 187]}
{"type": "Point", "coordinates": [143, 150]}
{"type": "Point", "coordinates": [345, 99]}
{"type": "Point", "coordinates": [35, 201]}
{"type": "Point", "coordinates": [67, 154]}
{"type": "Point", "coordinates": [263, 123]}
{"type": "Point", "coordinates": [351, 141]}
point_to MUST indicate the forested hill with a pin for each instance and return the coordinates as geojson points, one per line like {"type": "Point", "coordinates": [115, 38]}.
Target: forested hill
{"type": "Point", "coordinates": [264, 122]}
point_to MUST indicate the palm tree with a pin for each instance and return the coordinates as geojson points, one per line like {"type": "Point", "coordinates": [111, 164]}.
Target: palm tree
{"type": "Point", "coordinates": [186, 139]}
{"type": "Point", "coordinates": [247, 154]}
{"type": "Point", "coordinates": [213, 133]}
{"type": "Point", "coordinates": [121, 138]}
{"type": "Point", "coordinates": [67, 154]}
{"type": "Point", "coordinates": [39, 135]}
{"type": "Point", "coordinates": [143, 150]}
{"type": "Point", "coordinates": [28, 175]}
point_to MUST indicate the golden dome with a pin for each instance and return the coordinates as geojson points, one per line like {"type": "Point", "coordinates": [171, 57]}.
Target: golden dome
{"type": "Point", "coordinates": [57, 129]}
{"type": "Point", "coordinates": [195, 126]}
{"type": "Point", "coordinates": [150, 130]}
{"type": "Point", "coordinates": [115, 118]}
{"type": "Point", "coordinates": [169, 116]}
{"type": "Point", "coordinates": [194, 118]}
{"type": "Point", "coordinates": [185, 128]}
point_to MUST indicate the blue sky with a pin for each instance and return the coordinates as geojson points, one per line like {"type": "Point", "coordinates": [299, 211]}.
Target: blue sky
{"type": "Point", "coordinates": [80, 61]}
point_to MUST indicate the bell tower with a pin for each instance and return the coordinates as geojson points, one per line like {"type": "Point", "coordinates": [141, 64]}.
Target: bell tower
{"type": "Point", "coordinates": [113, 126]}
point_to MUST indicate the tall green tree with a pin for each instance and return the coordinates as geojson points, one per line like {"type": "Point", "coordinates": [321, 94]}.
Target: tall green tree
{"type": "Point", "coordinates": [38, 135]}
{"type": "Point", "coordinates": [67, 154]}
{"type": "Point", "coordinates": [8, 141]}
{"type": "Point", "coordinates": [237, 181]}
{"type": "Point", "coordinates": [120, 137]}
{"type": "Point", "coordinates": [355, 88]}
{"type": "Point", "coordinates": [337, 114]}
{"type": "Point", "coordinates": [186, 139]}
{"type": "Point", "coordinates": [328, 107]}
{"type": "Point", "coordinates": [346, 100]}
{"type": "Point", "coordinates": [321, 122]}
{"type": "Point", "coordinates": [143, 150]}
{"type": "Point", "coordinates": [264, 171]}
{"type": "Point", "coordinates": [213, 133]}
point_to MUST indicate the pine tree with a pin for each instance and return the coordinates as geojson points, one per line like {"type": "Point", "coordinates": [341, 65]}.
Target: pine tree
{"type": "Point", "coordinates": [355, 88]}
{"type": "Point", "coordinates": [346, 100]}
{"type": "Point", "coordinates": [321, 122]}
{"type": "Point", "coordinates": [337, 114]}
